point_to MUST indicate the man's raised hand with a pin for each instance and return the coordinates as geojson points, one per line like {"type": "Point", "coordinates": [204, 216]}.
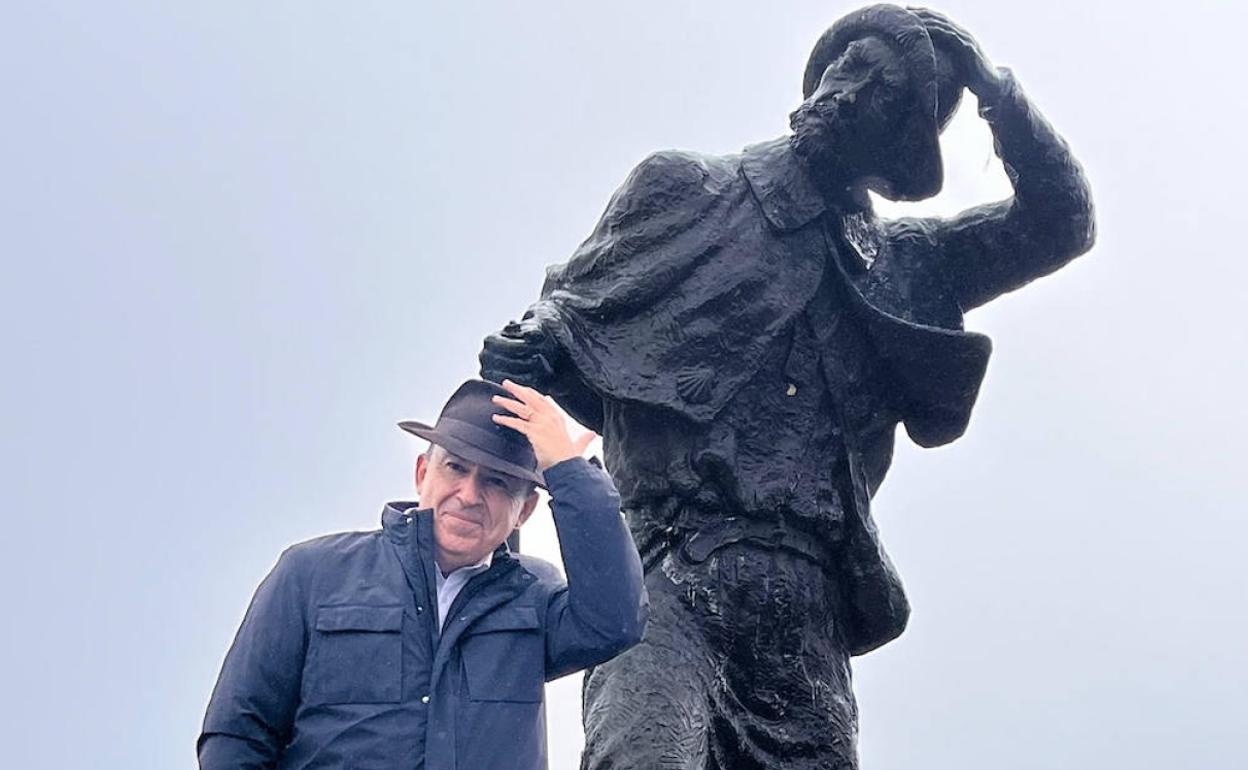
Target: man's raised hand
{"type": "Point", "coordinates": [545, 425]}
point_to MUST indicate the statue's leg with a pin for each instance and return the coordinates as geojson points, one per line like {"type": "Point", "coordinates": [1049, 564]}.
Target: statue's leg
{"type": "Point", "coordinates": [785, 698]}
{"type": "Point", "coordinates": [743, 668]}
{"type": "Point", "coordinates": [646, 709]}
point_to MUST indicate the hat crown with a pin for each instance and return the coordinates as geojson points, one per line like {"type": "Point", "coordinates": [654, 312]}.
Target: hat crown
{"type": "Point", "coordinates": [472, 403]}
{"type": "Point", "coordinates": [466, 427]}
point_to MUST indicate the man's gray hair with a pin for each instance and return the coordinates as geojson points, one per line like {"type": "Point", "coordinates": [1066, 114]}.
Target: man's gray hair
{"type": "Point", "coordinates": [529, 486]}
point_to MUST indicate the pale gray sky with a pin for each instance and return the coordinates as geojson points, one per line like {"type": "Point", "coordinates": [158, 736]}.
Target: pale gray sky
{"type": "Point", "coordinates": [242, 240]}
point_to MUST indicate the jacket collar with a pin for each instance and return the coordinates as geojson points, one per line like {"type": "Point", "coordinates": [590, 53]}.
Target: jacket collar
{"type": "Point", "coordinates": [412, 538]}
{"type": "Point", "coordinates": [782, 185]}
{"type": "Point", "coordinates": [396, 520]}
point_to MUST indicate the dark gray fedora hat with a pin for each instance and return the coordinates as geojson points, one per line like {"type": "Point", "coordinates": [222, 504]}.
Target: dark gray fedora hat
{"type": "Point", "coordinates": [466, 427]}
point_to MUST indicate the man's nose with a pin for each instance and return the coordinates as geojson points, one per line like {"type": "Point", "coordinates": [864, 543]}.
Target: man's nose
{"type": "Point", "coordinates": [470, 490]}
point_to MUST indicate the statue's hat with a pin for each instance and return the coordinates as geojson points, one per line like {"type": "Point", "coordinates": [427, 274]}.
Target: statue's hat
{"type": "Point", "coordinates": [913, 167]}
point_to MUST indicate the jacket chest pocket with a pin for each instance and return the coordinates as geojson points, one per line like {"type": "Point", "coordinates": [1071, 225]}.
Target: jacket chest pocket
{"type": "Point", "coordinates": [504, 657]}
{"type": "Point", "coordinates": [355, 655]}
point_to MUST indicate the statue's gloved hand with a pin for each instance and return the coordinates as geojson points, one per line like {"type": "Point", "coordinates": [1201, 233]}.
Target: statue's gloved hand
{"type": "Point", "coordinates": [983, 79]}
{"type": "Point", "coordinates": [522, 352]}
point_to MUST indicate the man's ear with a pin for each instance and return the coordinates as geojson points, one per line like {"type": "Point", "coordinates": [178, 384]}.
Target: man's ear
{"type": "Point", "coordinates": [530, 503]}
{"type": "Point", "coordinates": [422, 468]}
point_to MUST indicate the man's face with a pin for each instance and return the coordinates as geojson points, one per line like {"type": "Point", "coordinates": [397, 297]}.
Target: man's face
{"type": "Point", "coordinates": [859, 98]}
{"type": "Point", "coordinates": [474, 508]}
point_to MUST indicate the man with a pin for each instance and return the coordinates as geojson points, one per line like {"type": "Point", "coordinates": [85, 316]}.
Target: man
{"type": "Point", "coordinates": [426, 644]}
{"type": "Point", "coordinates": [746, 335]}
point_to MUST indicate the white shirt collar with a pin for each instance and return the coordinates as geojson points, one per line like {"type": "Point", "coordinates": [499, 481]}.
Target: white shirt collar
{"type": "Point", "coordinates": [449, 586]}
{"type": "Point", "coordinates": [472, 569]}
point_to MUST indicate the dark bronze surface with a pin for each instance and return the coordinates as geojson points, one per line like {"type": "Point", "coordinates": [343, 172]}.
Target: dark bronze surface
{"type": "Point", "coordinates": [746, 334]}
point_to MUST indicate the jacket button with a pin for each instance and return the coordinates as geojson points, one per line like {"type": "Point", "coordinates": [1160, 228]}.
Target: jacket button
{"type": "Point", "coordinates": [420, 609]}
{"type": "Point", "coordinates": [424, 699]}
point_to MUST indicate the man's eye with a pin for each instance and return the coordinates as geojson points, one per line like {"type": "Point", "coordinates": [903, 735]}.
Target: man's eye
{"type": "Point", "coordinates": [457, 467]}
{"type": "Point", "coordinates": [494, 481]}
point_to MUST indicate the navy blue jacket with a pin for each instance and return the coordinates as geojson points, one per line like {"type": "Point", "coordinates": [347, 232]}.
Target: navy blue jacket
{"type": "Point", "coordinates": [339, 662]}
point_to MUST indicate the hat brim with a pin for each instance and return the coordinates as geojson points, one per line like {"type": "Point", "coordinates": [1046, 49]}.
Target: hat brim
{"type": "Point", "coordinates": [470, 452]}
{"type": "Point", "coordinates": [914, 170]}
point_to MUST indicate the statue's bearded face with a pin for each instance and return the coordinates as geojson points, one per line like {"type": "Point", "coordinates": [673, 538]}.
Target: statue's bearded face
{"type": "Point", "coordinates": [860, 99]}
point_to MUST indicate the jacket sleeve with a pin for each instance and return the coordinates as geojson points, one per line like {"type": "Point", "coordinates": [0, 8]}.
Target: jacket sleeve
{"type": "Point", "coordinates": [993, 249]}
{"type": "Point", "coordinates": [602, 610]}
{"type": "Point", "coordinates": [249, 716]}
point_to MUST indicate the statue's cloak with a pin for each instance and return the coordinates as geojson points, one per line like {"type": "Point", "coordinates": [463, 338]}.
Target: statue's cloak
{"type": "Point", "coordinates": [701, 262]}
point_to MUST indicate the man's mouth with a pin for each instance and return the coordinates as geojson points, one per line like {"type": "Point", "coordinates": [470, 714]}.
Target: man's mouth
{"type": "Point", "coordinates": [464, 517]}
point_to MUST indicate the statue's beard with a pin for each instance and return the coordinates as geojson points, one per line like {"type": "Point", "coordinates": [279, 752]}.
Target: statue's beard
{"type": "Point", "coordinates": [818, 138]}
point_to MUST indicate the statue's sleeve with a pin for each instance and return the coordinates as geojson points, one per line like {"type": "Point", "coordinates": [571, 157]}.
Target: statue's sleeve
{"type": "Point", "coordinates": [577, 398]}
{"type": "Point", "coordinates": [619, 268]}
{"type": "Point", "coordinates": [658, 284]}
{"type": "Point", "coordinates": [993, 249]}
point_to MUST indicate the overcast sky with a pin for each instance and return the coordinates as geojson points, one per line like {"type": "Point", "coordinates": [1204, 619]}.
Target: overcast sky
{"type": "Point", "coordinates": [241, 240]}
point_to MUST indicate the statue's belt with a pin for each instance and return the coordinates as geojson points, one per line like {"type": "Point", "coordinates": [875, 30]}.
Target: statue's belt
{"type": "Point", "coordinates": [712, 534]}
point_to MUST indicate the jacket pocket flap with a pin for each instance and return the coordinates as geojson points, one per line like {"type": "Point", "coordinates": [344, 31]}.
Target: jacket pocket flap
{"type": "Point", "coordinates": [359, 618]}
{"type": "Point", "coordinates": [507, 619]}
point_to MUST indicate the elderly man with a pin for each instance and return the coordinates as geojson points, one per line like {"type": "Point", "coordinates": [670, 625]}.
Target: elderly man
{"type": "Point", "coordinates": [746, 334]}
{"type": "Point", "coordinates": [426, 644]}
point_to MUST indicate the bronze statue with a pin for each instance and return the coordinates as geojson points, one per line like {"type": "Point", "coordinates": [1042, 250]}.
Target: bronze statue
{"type": "Point", "coordinates": [746, 335]}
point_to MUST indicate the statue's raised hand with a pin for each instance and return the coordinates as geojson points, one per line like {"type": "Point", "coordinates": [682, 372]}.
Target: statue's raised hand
{"type": "Point", "coordinates": [983, 79]}
{"type": "Point", "coordinates": [522, 352]}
